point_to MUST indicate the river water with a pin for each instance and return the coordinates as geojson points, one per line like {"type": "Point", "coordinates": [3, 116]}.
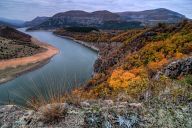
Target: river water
{"type": "Point", "coordinates": [70, 68]}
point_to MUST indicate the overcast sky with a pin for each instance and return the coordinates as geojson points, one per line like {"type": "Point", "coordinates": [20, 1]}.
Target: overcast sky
{"type": "Point", "coordinates": [29, 9]}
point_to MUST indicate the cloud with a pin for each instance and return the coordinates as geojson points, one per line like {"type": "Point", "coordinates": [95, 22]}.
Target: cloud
{"type": "Point", "coordinates": [28, 9]}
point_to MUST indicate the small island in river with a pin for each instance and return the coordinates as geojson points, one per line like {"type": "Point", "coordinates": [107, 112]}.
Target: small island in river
{"type": "Point", "coordinates": [20, 53]}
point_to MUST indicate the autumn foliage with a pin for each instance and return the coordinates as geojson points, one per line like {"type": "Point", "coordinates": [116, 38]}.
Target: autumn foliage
{"type": "Point", "coordinates": [143, 53]}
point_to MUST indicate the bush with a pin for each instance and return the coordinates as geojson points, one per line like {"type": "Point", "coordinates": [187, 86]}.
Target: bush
{"type": "Point", "coordinates": [188, 79]}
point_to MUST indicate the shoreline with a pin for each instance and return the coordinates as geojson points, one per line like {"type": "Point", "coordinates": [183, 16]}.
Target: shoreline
{"type": "Point", "coordinates": [27, 64]}
{"type": "Point", "coordinates": [25, 69]}
{"type": "Point", "coordinates": [80, 42]}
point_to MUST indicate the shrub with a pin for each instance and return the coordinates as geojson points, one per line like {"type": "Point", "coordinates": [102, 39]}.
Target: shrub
{"type": "Point", "coordinates": [51, 112]}
{"type": "Point", "coordinates": [188, 79]}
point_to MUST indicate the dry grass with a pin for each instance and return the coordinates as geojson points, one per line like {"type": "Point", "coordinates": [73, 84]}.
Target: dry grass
{"type": "Point", "coordinates": [52, 112]}
{"type": "Point", "coordinates": [50, 109]}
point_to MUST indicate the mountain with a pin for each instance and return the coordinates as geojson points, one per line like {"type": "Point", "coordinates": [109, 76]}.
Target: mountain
{"type": "Point", "coordinates": [36, 21]}
{"type": "Point", "coordinates": [11, 22]}
{"type": "Point", "coordinates": [108, 20]}
{"type": "Point", "coordinates": [100, 19]}
{"type": "Point", "coordinates": [2, 23]}
{"type": "Point", "coordinates": [78, 18]}
{"type": "Point", "coordinates": [151, 17]}
{"type": "Point", "coordinates": [15, 44]}
{"type": "Point", "coordinates": [11, 33]}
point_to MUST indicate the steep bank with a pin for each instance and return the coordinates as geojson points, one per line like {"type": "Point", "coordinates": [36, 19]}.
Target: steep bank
{"type": "Point", "coordinates": [129, 60]}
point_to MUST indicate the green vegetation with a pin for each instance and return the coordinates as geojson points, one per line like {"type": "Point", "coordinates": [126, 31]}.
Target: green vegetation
{"type": "Point", "coordinates": [187, 79]}
{"type": "Point", "coordinates": [81, 29]}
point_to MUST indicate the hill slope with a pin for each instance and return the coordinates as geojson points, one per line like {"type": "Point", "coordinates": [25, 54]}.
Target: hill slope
{"type": "Point", "coordinates": [129, 60]}
{"type": "Point", "coordinates": [108, 20]}
{"type": "Point", "coordinates": [36, 21]}
{"type": "Point", "coordinates": [11, 22]}
{"type": "Point", "coordinates": [15, 44]}
{"type": "Point", "coordinates": [131, 86]}
{"type": "Point", "coordinates": [151, 17]}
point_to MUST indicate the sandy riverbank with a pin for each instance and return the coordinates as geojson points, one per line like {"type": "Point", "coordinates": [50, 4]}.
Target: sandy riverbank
{"type": "Point", "coordinates": [21, 65]}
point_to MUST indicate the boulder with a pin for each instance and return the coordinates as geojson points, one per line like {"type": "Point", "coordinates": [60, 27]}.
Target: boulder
{"type": "Point", "coordinates": [179, 68]}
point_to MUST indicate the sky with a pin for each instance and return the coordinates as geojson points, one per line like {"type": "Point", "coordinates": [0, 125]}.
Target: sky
{"type": "Point", "coordinates": [29, 9]}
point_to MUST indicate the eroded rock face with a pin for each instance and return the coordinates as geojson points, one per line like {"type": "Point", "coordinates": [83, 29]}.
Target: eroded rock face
{"type": "Point", "coordinates": [13, 116]}
{"type": "Point", "coordinates": [179, 68]}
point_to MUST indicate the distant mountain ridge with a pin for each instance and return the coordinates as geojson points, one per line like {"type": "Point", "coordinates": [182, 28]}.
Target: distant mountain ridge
{"type": "Point", "coordinates": [37, 21]}
{"type": "Point", "coordinates": [105, 20]}
{"type": "Point", "coordinates": [79, 18]}
{"type": "Point", "coordinates": [11, 22]}
{"type": "Point", "coordinates": [98, 15]}
{"type": "Point", "coordinates": [153, 16]}
{"type": "Point", "coordinates": [2, 23]}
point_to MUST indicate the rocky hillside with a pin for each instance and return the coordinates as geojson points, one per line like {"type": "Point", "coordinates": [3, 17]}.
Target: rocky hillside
{"type": "Point", "coordinates": [98, 114]}
{"type": "Point", "coordinates": [142, 79]}
{"type": "Point", "coordinates": [152, 17]}
{"type": "Point", "coordinates": [15, 44]}
{"type": "Point", "coordinates": [78, 18]}
{"type": "Point", "coordinates": [108, 20]}
{"type": "Point", "coordinates": [130, 60]}
{"type": "Point", "coordinates": [148, 66]}
{"type": "Point", "coordinates": [36, 21]}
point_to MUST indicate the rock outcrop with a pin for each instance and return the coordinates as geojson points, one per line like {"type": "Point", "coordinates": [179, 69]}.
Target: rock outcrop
{"type": "Point", "coordinates": [75, 117]}
{"type": "Point", "coordinates": [179, 68]}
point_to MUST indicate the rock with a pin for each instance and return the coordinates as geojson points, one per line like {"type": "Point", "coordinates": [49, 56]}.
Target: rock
{"type": "Point", "coordinates": [26, 118]}
{"type": "Point", "coordinates": [12, 116]}
{"type": "Point", "coordinates": [179, 68]}
{"type": "Point", "coordinates": [108, 102]}
{"type": "Point", "coordinates": [123, 103]}
{"type": "Point", "coordinates": [137, 105]}
{"type": "Point", "coordinates": [85, 104]}
{"type": "Point", "coordinates": [5, 126]}
{"type": "Point", "coordinates": [40, 124]}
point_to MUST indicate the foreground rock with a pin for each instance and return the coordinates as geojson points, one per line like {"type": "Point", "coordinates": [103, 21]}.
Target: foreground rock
{"type": "Point", "coordinates": [179, 68]}
{"type": "Point", "coordinates": [99, 114]}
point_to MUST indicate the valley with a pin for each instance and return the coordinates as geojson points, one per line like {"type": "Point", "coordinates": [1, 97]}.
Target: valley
{"type": "Point", "coordinates": [98, 69]}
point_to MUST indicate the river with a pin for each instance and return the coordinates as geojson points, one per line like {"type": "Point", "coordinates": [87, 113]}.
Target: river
{"type": "Point", "coordinates": [70, 68]}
